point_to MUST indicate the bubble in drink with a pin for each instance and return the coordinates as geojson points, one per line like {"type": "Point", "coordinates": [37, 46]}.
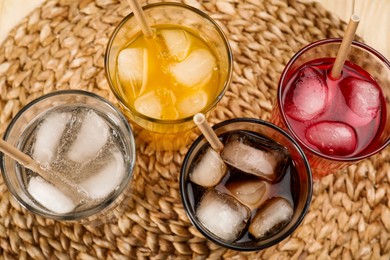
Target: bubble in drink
{"type": "Point", "coordinates": [177, 41]}
{"type": "Point", "coordinates": [195, 70]}
{"type": "Point", "coordinates": [222, 215]}
{"type": "Point", "coordinates": [255, 155]}
{"type": "Point", "coordinates": [271, 218]}
{"type": "Point", "coordinates": [106, 179]}
{"type": "Point", "coordinates": [193, 104]}
{"type": "Point", "coordinates": [48, 137]}
{"type": "Point", "coordinates": [50, 196]}
{"type": "Point", "coordinates": [308, 95]}
{"type": "Point", "coordinates": [209, 170]}
{"type": "Point", "coordinates": [362, 97]}
{"type": "Point", "coordinates": [332, 138]}
{"type": "Point", "coordinates": [133, 69]}
{"type": "Point", "coordinates": [252, 193]}
{"type": "Point", "coordinates": [91, 137]}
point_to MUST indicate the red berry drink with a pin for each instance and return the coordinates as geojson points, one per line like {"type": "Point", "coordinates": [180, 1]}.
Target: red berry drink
{"type": "Point", "coordinates": [340, 120]}
{"type": "Point", "coordinates": [337, 117]}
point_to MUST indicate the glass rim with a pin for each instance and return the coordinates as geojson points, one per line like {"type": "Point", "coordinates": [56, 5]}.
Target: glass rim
{"type": "Point", "coordinates": [186, 200]}
{"type": "Point", "coordinates": [85, 214]}
{"type": "Point", "coordinates": [280, 93]}
{"type": "Point", "coordinates": [198, 12]}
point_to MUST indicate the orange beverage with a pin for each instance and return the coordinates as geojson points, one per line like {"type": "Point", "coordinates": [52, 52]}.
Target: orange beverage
{"type": "Point", "coordinates": [161, 82]}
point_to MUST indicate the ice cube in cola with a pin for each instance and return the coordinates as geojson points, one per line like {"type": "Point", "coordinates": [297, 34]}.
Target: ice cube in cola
{"type": "Point", "coordinates": [222, 198]}
{"type": "Point", "coordinates": [222, 215]}
{"type": "Point", "coordinates": [85, 149]}
{"type": "Point", "coordinates": [255, 155]}
{"type": "Point", "coordinates": [251, 192]}
{"type": "Point", "coordinates": [209, 169]}
{"type": "Point", "coordinates": [271, 217]}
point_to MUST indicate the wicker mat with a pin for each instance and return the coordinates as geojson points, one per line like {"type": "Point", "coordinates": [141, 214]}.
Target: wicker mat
{"type": "Point", "coordinates": [61, 46]}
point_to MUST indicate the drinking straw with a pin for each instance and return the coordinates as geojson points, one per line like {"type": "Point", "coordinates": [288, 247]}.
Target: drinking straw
{"type": "Point", "coordinates": [140, 17]}
{"type": "Point", "coordinates": [208, 132]}
{"type": "Point", "coordinates": [344, 47]}
{"type": "Point", "coordinates": [67, 186]}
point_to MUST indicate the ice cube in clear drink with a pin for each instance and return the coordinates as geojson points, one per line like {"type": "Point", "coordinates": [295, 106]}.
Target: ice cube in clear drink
{"type": "Point", "coordinates": [250, 192]}
{"type": "Point", "coordinates": [177, 41]}
{"type": "Point", "coordinates": [332, 138]}
{"type": "Point", "coordinates": [48, 137]}
{"type": "Point", "coordinates": [222, 215]}
{"type": "Point", "coordinates": [107, 179]}
{"type": "Point", "coordinates": [254, 155]}
{"type": "Point", "coordinates": [133, 69]}
{"type": "Point", "coordinates": [193, 104]}
{"type": "Point", "coordinates": [49, 196]}
{"type": "Point", "coordinates": [362, 97]}
{"type": "Point", "coordinates": [274, 215]}
{"type": "Point", "coordinates": [307, 97]}
{"type": "Point", "coordinates": [209, 169]}
{"type": "Point", "coordinates": [196, 70]}
{"type": "Point", "coordinates": [91, 137]}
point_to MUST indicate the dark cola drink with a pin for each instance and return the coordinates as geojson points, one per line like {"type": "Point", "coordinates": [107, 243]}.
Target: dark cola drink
{"type": "Point", "coordinates": [247, 192]}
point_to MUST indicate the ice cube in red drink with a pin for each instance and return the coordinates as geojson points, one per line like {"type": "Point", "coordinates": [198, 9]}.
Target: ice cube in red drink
{"type": "Point", "coordinates": [362, 97]}
{"type": "Point", "coordinates": [332, 138]}
{"type": "Point", "coordinates": [308, 95]}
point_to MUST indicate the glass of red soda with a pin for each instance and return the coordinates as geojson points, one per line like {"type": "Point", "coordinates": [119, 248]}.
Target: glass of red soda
{"type": "Point", "coordinates": [336, 121]}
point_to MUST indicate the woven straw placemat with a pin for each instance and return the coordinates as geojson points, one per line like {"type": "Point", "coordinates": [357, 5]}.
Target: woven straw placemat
{"type": "Point", "coordinates": [61, 46]}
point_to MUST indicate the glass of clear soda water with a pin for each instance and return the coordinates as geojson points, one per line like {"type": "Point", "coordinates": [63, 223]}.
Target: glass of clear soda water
{"type": "Point", "coordinates": [252, 194]}
{"type": "Point", "coordinates": [161, 82]}
{"type": "Point", "coordinates": [78, 136]}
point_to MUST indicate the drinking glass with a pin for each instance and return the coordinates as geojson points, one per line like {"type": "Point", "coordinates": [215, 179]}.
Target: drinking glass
{"type": "Point", "coordinates": [167, 134]}
{"type": "Point", "coordinates": [21, 131]}
{"type": "Point", "coordinates": [301, 178]}
{"type": "Point", "coordinates": [359, 54]}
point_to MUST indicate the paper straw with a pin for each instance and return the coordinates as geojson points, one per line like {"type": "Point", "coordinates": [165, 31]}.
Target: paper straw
{"type": "Point", "coordinates": [344, 47]}
{"type": "Point", "coordinates": [208, 132]}
{"type": "Point", "coordinates": [140, 17]}
{"type": "Point", "coordinates": [67, 186]}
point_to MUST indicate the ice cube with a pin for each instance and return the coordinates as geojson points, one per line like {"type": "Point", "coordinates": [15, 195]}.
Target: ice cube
{"type": "Point", "coordinates": [149, 105]}
{"type": "Point", "coordinates": [177, 41]}
{"type": "Point", "coordinates": [48, 137]}
{"type": "Point", "coordinates": [251, 193]}
{"type": "Point", "coordinates": [107, 179]}
{"type": "Point", "coordinates": [362, 97]}
{"type": "Point", "coordinates": [222, 215]}
{"type": "Point", "coordinates": [254, 155]}
{"type": "Point", "coordinates": [274, 215]}
{"type": "Point", "coordinates": [49, 196]}
{"type": "Point", "coordinates": [332, 138]}
{"type": "Point", "coordinates": [133, 69]}
{"type": "Point", "coordinates": [209, 170]}
{"type": "Point", "coordinates": [307, 97]}
{"type": "Point", "coordinates": [159, 104]}
{"type": "Point", "coordinates": [193, 104]}
{"type": "Point", "coordinates": [195, 70]}
{"type": "Point", "coordinates": [91, 137]}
